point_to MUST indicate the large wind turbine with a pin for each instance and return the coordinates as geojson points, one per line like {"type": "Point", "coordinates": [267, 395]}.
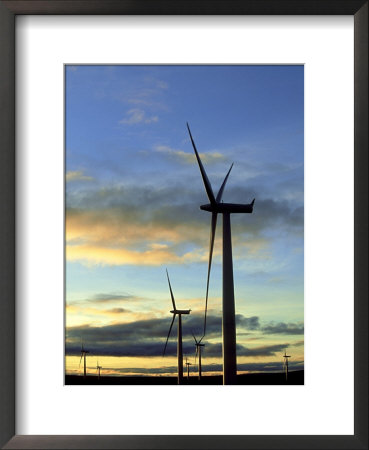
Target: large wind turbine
{"type": "Point", "coordinates": [285, 363]}
{"type": "Point", "coordinates": [216, 206]}
{"type": "Point", "coordinates": [83, 355]}
{"type": "Point", "coordinates": [179, 313]}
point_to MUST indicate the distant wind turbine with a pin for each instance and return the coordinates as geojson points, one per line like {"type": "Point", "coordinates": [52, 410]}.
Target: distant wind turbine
{"type": "Point", "coordinates": [216, 206]}
{"type": "Point", "coordinates": [179, 313]}
{"type": "Point", "coordinates": [83, 355]}
{"type": "Point", "coordinates": [198, 352]}
{"type": "Point", "coordinates": [188, 364]}
{"type": "Point", "coordinates": [98, 368]}
{"type": "Point", "coordinates": [285, 363]}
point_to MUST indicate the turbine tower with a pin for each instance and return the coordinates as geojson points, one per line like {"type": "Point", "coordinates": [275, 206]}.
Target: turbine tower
{"type": "Point", "coordinates": [179, 313]}
{"type": "Point", "coordinates": [285, 363]}
{"type": "Point", "coordinates": [83, 355]}
{"type": "Point", "coordinates": [198, 352]}
{"type": "Point", "coordinates": [188, 364]}
{"type": "Point", "coordinates": [98, 369]}
{"type": "Point", "coordinates": [216, 206]}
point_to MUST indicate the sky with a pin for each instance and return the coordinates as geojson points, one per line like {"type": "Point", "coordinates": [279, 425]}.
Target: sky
{"type": "Point", "coordinates": [133, 191]}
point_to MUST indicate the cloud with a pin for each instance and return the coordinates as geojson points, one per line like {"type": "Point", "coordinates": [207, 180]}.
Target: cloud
{"type": "Point", "coordinates": [77, 175]}
{"type": "Point", "coordinates": [250, 323]}
{"type": "Point", "coordinates": [148, 224]}
{"type": "Point", "coordinates": [152, 348]}
{"type": "Point", "coordinates": [180, 203]}
{"type": "Point", "coordinates": [150, 231]}
{"type": "Point", "coordinates": [150, 95]}
{"type": "Point", "coordinates": [136, 115]}
{"type": "Point", "coordinates": [76, 308]}
{"type": "Point", "coordinates": [117, 310]}
{"type": "Point", "coordinates": [117, 236]}
{"type": "Point", "coordinates": [99, 255]}
{"type": "Point", "coordinates": [104, 298]}
{"type": "Point", "coordinates": [102, 309]}
{"type": "Point", "coordinates": [189, 158]}
{"type": "Point", "coordinates": [215, 350]}
{"type": "Point", "coordinates": [147, 337]}
{"type": "Point", "coordinates": [283, 328]}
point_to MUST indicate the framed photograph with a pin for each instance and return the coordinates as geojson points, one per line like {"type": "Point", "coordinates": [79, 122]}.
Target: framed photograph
{"type": "Point", "coordinates": [130, 135]}
{"type": "Point", "coordinates": [126, 224]}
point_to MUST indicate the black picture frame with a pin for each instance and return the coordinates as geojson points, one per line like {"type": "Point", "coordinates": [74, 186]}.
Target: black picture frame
{"type": "Point", "coordinates": [8, 11]}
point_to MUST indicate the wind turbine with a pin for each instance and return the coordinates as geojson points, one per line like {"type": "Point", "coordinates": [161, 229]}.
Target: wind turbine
{"type": "Point", "coordinates": [98, 369]}
{"type": "Point", "coordinates": [285, 363]}
{"type": "Point", "coordinates": [179, 313]}
{"type": "Point", "coordinates": [188, 364]}
{"type": "Point", "coordinates": [83, 355]}
{"type": "Point", "coordinates": [216, 206]}
{"type": "Point", "coordinates": [198, 352]}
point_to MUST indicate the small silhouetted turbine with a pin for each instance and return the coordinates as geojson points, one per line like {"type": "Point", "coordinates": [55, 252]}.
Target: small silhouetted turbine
{"type": "Point", "coordinates": [177, 312]}
{"type": "Point", "coordinates": [285, 363]}
{"type": "Point", "coordinates": [198, 352]}
{"type": "Point", "coordinates": [216, 206]}
{"type": "Point", "coordinates": [83, 355]}
{"type": "Point", "coordinates": [98, 369]}
{"type": "Point", "coordinates": [188, 364]}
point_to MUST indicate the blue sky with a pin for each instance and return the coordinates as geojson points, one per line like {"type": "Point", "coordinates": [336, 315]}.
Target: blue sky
{"type": "Point", "coordinates": [133, 190]}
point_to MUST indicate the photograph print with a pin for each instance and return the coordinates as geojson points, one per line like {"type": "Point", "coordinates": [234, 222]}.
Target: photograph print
{"type": "Point", "coordinates": [184, 224]}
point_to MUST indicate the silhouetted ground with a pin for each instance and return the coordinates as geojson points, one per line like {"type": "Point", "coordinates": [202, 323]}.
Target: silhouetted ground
{"type": "Point", "coordinates": [267, 378]}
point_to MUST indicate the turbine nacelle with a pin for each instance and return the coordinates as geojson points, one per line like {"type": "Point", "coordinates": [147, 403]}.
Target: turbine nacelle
{"type": "Point", "coordinates": [180, 311]}
{"type": "Point", "coordinates": [232, 208]}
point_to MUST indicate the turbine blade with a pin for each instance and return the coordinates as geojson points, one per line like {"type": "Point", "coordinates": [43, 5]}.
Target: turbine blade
{"type": "Point", "coordinates": [171, 292]}
{"type": "Point", "coordinates": [194, 337]}
{"type": "Point", "coordinates": [205, 178]}
{"type": "Point", "coordinates": [80, 359]}
{"type": "Point", "coordinates": [197, 351]}
{"type": "Point", "coordinates": [211, 247]}
{"type": "Point", "coordinates": [220, 193]}
{"type": "Point", "coordinates": [170, 329]}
